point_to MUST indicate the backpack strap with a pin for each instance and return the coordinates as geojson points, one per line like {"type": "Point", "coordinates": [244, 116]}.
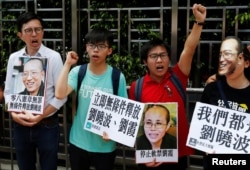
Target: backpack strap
{"type": "Point", "coordinates": [138, 88]}
{"type": "Point", "coordinates": [81, 74]}
{"type": "Point", "coordinates": [115, 80]}
{"type": "Point", "coordinates": [178, 85]}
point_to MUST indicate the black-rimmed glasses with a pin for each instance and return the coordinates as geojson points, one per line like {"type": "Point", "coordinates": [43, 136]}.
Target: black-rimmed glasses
{"type": "Point", "coordinates": [157, 125]}
{"type": "Point", "coordinates": [98, 46]}
{"type": "Point", "coordinates": [30, 31]}
{"type": "Point", "coordinates": [163, 56]}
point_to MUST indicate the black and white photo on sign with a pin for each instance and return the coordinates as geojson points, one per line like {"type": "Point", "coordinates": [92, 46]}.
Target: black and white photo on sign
{"type": "Point", "coordinates": [29, 84]}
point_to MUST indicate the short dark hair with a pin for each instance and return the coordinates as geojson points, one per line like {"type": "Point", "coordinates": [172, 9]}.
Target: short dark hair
{"type": "Point", "coordinates": [99, 35]}
{"type": "Point", "coordinates": [246, 55]}
{"type": "Point", "coordinates": [26, 17]}
{"type": "Point", "coordinates": [152, 44]}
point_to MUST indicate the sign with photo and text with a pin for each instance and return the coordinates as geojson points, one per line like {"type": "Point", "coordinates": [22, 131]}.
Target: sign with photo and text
{"type": "Point", "coordinates": [29, 85]}
{"type": "Point", "coordinates": [157, 139]}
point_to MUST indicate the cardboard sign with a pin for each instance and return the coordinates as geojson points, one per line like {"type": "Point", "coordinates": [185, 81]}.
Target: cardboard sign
{"type": "Point", "coordinates": [215, 129]}
{"type": "Point", "coordinates": [117, 116]}
{"type": "Point", "coordinates": [29, 85]}
{"type": "Point", "coordinates": [157, 138]}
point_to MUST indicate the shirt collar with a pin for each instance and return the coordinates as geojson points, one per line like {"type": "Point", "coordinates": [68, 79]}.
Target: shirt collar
{"type": "Point", "coordinates": [148, 79]}
{"type": "Point", "coordinates": [38, 54]}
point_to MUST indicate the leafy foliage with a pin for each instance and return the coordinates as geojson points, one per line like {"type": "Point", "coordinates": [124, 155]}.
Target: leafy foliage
{"type": "Point", "coordinates": [131, 66]}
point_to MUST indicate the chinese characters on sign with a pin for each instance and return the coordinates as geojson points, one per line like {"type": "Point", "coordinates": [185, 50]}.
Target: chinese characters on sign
{"type": "Point", "coordinates": [118, 116]}
{"type": "Point", "coordinates": [157, 137]}
{"type": "Point", "coordinates": [26, 102]}
{"type": "Point", "coordinates": [159, 155]}
{"type": "Point", "coordinates": [219, 130]}
{"type": "Point", "coordinates": [29, 85]}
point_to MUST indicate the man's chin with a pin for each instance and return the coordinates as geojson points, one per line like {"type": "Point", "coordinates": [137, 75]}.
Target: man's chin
{"type": "Point", "coordinates": [223, 73]}
{"type": "Point", "coordinates": [220, 73]}
{"type": "Point", "coordinates": [31, 93]}
{"type": "Point", "coordinates": [226, 73]}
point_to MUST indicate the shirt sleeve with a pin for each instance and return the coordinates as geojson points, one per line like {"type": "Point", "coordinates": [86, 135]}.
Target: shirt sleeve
{"type": "Point", "coordinates": [9, 80]}
{"type": "Point", "coordinates": [55, 67]}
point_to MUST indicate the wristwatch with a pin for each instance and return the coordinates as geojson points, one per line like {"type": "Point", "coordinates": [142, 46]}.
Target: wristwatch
{"type": "Point", "coordinates": [199, 23]}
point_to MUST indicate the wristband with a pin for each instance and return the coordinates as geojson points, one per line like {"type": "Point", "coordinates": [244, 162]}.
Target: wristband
{"type": "Point", "coordinates": [199, 23]}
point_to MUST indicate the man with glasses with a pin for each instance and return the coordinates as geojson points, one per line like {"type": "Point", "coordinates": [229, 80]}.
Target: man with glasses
{"type": "Point", "coordinates": [231, 86]}
{"type": "Point", "coordinates": [158, 87]}
{"type": "Point", "coordinates": [35, 132]}
{"type": "Point", "coordinates": [212, 78]}
{"type": "Point", "coordinates": [33, 77]}
{"type": "Point", "coordinates": [86, 148]}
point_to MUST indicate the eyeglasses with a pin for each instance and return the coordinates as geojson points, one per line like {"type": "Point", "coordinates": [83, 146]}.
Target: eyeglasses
{"type": "Point", "coordinates": [226, 55]}
{"type": "Point", "coordinates": [157, 125]}
{"type": "Point", "coordinates": [30, 31]}
{"type": "Point", "coordinates": [32, 74]}
{"type": "Point", "coordinates": [99, 46]}
{"type": "Point", "coordinates": [163, 56]}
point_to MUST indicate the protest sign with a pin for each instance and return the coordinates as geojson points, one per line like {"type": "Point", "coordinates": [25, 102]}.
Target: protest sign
{"type": "Point", "coordinates": [157, 137]}
{"type": "Point", "coordinates": [29, 85]}
{"type": "Point", "coordinates": [219, 130]}
{"type": "Point", "coordinates": [117, 116]}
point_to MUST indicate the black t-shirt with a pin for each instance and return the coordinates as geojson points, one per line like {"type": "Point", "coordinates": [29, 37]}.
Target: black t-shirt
{"type": "Point", "coordinates": [238, 99]}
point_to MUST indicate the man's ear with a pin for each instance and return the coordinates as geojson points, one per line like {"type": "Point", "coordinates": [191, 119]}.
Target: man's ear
{"type": "Point", "coordinates": [43, 72]}
{"type": "Point", "coordinates": [110, 51]}
{"type": "Point", "coordinates": [168, 126]}
{"type": "Point", "coordinates": [247, 63]}
{"type": "Point", "coordinates": [19, 34]}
